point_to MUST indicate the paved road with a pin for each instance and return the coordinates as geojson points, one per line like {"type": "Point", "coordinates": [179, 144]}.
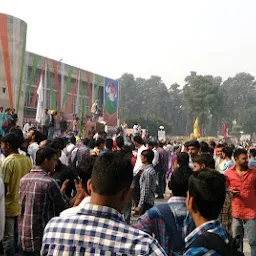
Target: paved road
{"type": "Point", "coordinates": [160, 201]}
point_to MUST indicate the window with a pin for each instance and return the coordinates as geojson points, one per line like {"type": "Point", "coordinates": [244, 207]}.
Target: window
{"type": "Point", "coordinates": [3, 89]}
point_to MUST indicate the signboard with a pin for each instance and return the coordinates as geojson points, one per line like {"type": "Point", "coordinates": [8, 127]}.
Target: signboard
{"type": "Point", "coordinates": [110, 112]}
{"type": "Point", "coordinates": [161, 135]}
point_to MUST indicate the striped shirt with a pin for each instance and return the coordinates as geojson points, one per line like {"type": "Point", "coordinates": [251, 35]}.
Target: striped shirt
{"type": "Point", "coordinates": [96, 230]}
{"type": "Point", "coordinates": [40, 199]}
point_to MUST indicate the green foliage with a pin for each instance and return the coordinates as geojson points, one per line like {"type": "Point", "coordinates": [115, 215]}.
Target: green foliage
{"type": "Point", "coordinates": [176, 107]}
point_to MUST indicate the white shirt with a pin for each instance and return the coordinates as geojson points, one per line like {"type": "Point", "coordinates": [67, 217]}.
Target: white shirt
{"type": "Point", "coordinates": [2, 209]}
{"type": "Point", "coordinates": [63, 158]}
{"type": "Point", "coordinates": [73, 210]}
{"type": "Point", "coordinates": [156, 157]}
{"type": "Point", "coordinates": [138, 163]}
{"type": "Point", "coordinates": [32, 149]}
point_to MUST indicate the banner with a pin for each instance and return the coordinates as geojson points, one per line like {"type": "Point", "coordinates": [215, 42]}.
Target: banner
{"type": "Point", "coordinates": [110, 112]}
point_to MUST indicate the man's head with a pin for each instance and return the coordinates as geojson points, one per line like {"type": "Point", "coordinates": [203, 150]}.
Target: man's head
{"type": "Point", "coordinates": [204, 147]}
{"type": "Point", "coordinates": [9, 144]}
{"type": "Point", "coordinates": [100, 143]}
{"type": "Point", "coordinates": [46, 111]}
{"type": "Point", "coordinates": [109, 144]}
{"type": "Point", "coordinates": [193, 147]}
{"type": "Point", "coordinates": [138, 141]}
{"type": "Point", "coordinates": [58, 145]}
{"type": "Point", "coordinates": [150, 145]}
{"type": "Point", "coordinates": [18, 134]}
{"type": "Point", "coordinates": [161, 144]}
{"type": "Point", "coordinates": [86, 142]}
{"type": "Point", "coordinates": [47, 159]}
{"type": "Point", "coordinates": [85, 170]}
{"type": "Point", "coordinates": [241, 158]}
{"type": "Point", "coordinates": [253, 152]}
{"type": "Point", "coordinates": [33, 135]}
{"type": "Point", "coordinates": [183, 159]}
{"type": "Point", "coordinates": [120, 142]}
{"type": "Point", "coordinates": [219, 149]}
{"type": "Point", "coordinates": [147, 156]}
{"type": "Point", "coordinates": [206, 195]}
{"type": "Point", "coordinates": [176, 149]}
{"type": "Point", "coordinates": [212, 144]}
{"type": "Point", "coordinates": [179, 181]}
{"type": "Point", "coordinates": [112, 177]}
{"type": "Point", "coordinates": [203, 161]}
{"type": "Point", "coordinates": [72, 140]}
{"type": "Point", "coordinates": [227, 153]}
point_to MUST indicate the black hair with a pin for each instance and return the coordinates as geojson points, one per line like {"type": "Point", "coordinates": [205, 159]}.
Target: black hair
{"type": "Point", "coordinates": [85, 170]}
{"type": "Point", "coordinates": [183, 159]}
{"type": "Point", "coordinates": [91, 144]}
{"type": "Point", "coordinates": [179, 181]}
{"type": "Point", "coordinates": [253, 152]}
{"type": "Point", "coordinates": [175, 148]}
{"type": "Point", "coordinates": [208, 189]}
{"type": "Point", "coordinates": [12, 140]}
{"type": "Point", "coordinates": [204, 146]}
{"type": "Point", "coordinates": [44, 153]}
{"type": "Point", "coordinates": [240, 151]}
{"type": "Point", "coordinates": [220, 146]}
{"type": "Point", "coordinates": [151, 143]}
{"type": "Point", "coordinates": [161, 144]}
{"type": "Point", "coordinates": [99, 141]}
{"type": "Point", "coordinates": [211, 151]}
{"type": "Point", "coordinates": [120, 141]}
{"type": "Point", "coordinates": [228, 151]}
{"type": "Point", "coordinates": [109, 144]}
{"type": "Point", "coordinates": [138, 139]}
{"type": "Point", "coordinates": [149, 154]}
{"type": "Point", "coordinates": [193, 143]}
{"type": "Point", "coordinates": [127, 149]}
{"type": "Point", "coordinates": [111, 173]}
{"type": "Point", "coordinates": [206, 159]}
{"type": "Point", "coordinates": [72, 139]}
{"type": "Point", "coordinates": [18, 134]}
{"type": "Point", "coordinates": [86, 141]}
{"type": "Point", "coordinates": [212, 143]}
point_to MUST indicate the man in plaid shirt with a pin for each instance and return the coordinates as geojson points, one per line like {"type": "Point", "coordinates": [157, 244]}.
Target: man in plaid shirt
{"type": "Point", "coordinates": [147, 182]}
{"type": "Point", "coordinates": [98, 228]}
{"type": "Point", "coordinates": [178, 224]}
{"type": "Point", "coordinates": [40, 199]}
{"type": "Point", "coordinates": [206, 196]}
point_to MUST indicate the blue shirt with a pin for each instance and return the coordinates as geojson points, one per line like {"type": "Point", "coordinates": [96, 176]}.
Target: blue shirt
{"type": "Point", "coordinates": [227, 165]}
{"type": "Point", "coordinates": [252, 162]}
{"type": "Point", "coordinates": [210, 226]}
{"type": "Point", "coordinates": [96, 230]}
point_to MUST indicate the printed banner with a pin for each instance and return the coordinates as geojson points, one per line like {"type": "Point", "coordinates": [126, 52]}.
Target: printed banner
{"type": "Point", "coordinates": [110, 102]}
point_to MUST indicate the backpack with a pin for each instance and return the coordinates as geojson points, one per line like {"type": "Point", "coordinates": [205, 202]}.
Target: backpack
{"type": "Point", "coordinates": [166, 212]}
{"type": "Point", "coordinates": [213, 241]}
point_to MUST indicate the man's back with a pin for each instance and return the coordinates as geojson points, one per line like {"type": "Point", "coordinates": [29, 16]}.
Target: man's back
{"type": "Point", "coordinates": [163, 159]}
{"type": "Point", "coordinates": [14, 167]}
{"type": "Point", "coordinates": [154, 222]}
{"type": "Point", "coordinates": [40, 200]}
{"type": "Point", "coordinates": [96, 230]}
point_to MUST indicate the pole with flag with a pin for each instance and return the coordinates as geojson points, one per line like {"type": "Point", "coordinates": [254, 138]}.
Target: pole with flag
{"type": "Point", "coordinates": [40, 101]}
{"type": "Point", "coordinates": [196, 130]}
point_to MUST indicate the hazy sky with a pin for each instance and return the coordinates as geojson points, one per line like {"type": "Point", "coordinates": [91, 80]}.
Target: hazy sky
{"type": "Point", "coordinates": [168, 38]}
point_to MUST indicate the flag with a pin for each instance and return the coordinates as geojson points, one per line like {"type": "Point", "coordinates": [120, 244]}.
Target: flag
{"type": "Point", "coordinates": [224, 130]}
{"type": "Point", "coordinates": [196, 130]}
{"type": "Point", "coordinates": [40, 101]}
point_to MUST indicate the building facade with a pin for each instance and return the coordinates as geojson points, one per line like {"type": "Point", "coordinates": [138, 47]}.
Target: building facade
{"type": "Point", "coordinates": [67, 89]}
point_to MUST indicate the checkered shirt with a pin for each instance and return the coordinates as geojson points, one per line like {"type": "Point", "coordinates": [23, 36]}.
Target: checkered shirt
{"type": "Point", "coordinates": [40, 199]}
{"type": "Point", "coordinates": [210, 226]}
{"type": "Point", "coordinates": [96, 230]}
{"type": "Point", "coordinates": [147, 185]}
{"type": "Point", "coordinates": [152, 223]}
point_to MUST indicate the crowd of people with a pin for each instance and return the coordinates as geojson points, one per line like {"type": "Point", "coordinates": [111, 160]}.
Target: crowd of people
{"type": "Point", "coordinates": [69, 196]}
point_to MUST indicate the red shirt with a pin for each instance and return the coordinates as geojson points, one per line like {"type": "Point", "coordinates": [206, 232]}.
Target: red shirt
{"type": "Point", "coordinates": [244, 204]}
